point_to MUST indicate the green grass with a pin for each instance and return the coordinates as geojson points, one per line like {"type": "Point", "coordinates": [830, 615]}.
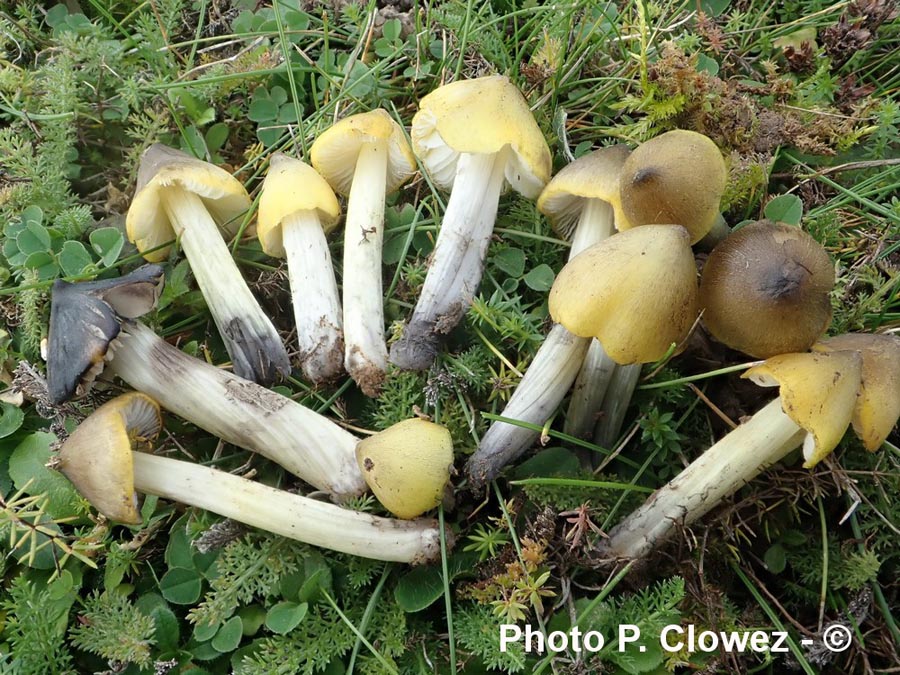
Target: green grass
{"type": "Point", "coordinates": [86, 86]}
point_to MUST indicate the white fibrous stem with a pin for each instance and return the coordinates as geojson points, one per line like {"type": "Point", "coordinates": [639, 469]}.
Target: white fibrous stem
{"type": "Point", "coordinates": [549, 376]}
{"type": "Point", "coordinates": [287, 514]}
{"type": "Point", "coordinates": [239, 411]}
{"type": "Point", "coordinates": [317, 307]}
{"type": "Point", "coordinates": [588, 392]}
{"type": "Point", "coordinates": [612, 412]}
{"type": "Point", "coordinates": [365, 355]}
{"type": "Point", "coordinates": [254, 345]}
{"type": "Point", "coordinates": [719, 472]}
{"type": "Point", "coordinates": [457, 263]}
{"type": "Point", "coordinates": [544, 385]}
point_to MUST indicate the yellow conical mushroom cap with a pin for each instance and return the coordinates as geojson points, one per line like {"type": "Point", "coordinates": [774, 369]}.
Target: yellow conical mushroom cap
{"type": "Point", "coordinates": [678, 177]}
{"type": "Point", "coordinates": [593, 176]}
{"type": "Point", "coordinates": [818, 392]}
{"type": "Point", "coordinates": [479, 116]}
{"type": "Point", "coordinates": [292, 186]}
{"type": "Point", "coordinates": [407, 466]}
{"type": "Point", "coordinates": [96, 457]}
{"type": "Point", "coordinates": [878, 405]}
{"type": "Point", "coordinates": [636, 292]}
{"type": "Point", "coordinates": [334, 152]}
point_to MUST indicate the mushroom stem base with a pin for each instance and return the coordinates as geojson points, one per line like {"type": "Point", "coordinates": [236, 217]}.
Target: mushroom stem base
{"type": "Point", "coordinates": [252, 342]}
{"type": "Point", "coordinates": [457, 263]}
{"type": "Point", "coordinates": [719, 472]}
{"type": "Point", "coordinates": [287, 514]}
{"type": "Point", "coordinates": [317, 306]}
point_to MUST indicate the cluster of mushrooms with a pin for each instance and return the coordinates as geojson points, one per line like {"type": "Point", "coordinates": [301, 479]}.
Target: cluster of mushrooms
{"type": "Point", "coordinates": [625, 298]}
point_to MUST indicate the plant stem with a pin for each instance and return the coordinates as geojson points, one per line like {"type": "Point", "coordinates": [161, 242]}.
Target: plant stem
{"type": "Point", "coordinates": [249, 336]}
{"type": "Point", "coordinates": [365, 356]}
{"type": "Point", "coordinates": [284, 513]}
{"type": "Point", "coordinates": [457, 263]}
{"type": "Point", "coordinates": [719, 472]}
{"type": "Point", "coordinates": [239, 412]}
{"type": "Point", "coordinates": [317, 307]}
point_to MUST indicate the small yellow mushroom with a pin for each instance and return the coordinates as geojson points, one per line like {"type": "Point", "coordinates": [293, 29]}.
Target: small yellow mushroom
{"type": "Point", "coordinates": [407, 466]}
{"type": "Point", "coordinates": [878, 405]}
{"type": "Point", "coordinates": [818, 392]}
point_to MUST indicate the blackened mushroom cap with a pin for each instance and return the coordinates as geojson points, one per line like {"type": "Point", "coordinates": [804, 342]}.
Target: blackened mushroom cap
{"type": "Point", "coordinates": [84, 322]}
{"type": "Point", "coordinates": [765, 290]}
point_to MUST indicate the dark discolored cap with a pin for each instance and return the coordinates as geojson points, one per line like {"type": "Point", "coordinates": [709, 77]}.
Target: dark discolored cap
{"type": "Point", "coordinates": [765, 290]}
{"type": "Point", "coordinates": [84, 320]}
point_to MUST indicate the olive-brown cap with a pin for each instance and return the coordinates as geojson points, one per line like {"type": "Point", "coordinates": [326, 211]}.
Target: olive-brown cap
{"type": "Point", "coordinates": [334, 152]}
{"type": "Point", "coordinates": [636, 292]}
{"type": "Point", "coordinates": [592, 176]}
{"type": "Point", "coordinates": [818, 392]}
{"type": "Point", "coordinates": [147, 223]}
{"type": "Point", "coordinates": [407, 466]}
{"type": "Point", "coordinates": [765, 290]}
{"type": "Point", "coordinates": [478, 116]}
{"type": "Point", "coordinates": [878, 405]}
{"type": "Point", "coordinates": [678, 177]}
{"type": "Point", "coordinates": [96, 457]}
{"type": "Point", "coordinates": [292, 186]}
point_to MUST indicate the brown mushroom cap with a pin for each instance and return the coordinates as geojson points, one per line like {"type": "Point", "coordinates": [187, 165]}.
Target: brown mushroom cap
{"type": "Point", "coordinates": [676, 178]}
{"type": "Point", "coordinates": [765, 290]}
{"type": "Point", "coordinates": [878, 405]}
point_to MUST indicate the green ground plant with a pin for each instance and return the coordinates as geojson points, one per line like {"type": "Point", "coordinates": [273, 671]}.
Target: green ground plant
{"type": "Point", "coordinates": [801, 96]}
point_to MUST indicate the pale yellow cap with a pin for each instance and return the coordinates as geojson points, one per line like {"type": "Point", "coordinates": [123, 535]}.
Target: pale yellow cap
{"type": "Point", "coordinates": [818, 392]}
{"type": "Point", "coordinates": [334, 152]}
{"type": "Point", "coordinates": [593, 176]}
{"type": "Point", "coordinates": [291, 186]}
{"type": "Point", "coordinates": [481, 116]}
{"type": "Point", "coordinates": [636, 292]}
{"type": "Point", "coordinates": [148, 225]}
{"type": "Point", "coordinates": [878, 405]}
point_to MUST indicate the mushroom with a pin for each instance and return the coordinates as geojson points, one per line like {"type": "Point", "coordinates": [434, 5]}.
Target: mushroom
{"type": "Point", "coordinates": [78, 355]}
{"type": "Point", "coordinates": [364, 157]}
{"type": "Point", "coordinates": [297, 209]}
{"type": "Point", "coordinates": [577, 204]}
{"type": "Point", "coordinates": [474, 136]}
{"type": "Point", "coordinates": [102, 461]}
{"type": "Point", "coordinates": [407, 466]}
{"type": "Point", "coordinates": [236, 410]}
{"type": "Point", "coordinates": [856, 379]}
{"type": "Point", "coordinates": [765, 290]}
{"type": "Point", "coordinates": [178, 195]}
{"type": "Point", "coordinates": [675, 178]}
{"type": "Point", "coordinates": [636, 292]}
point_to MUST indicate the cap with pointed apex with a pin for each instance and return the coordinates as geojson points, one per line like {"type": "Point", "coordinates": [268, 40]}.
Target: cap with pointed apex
{"type": "Point", "coordinates": [147, 223]}
{"type": "Point", "coordinates": [636, 292]}
{"type": "Point", "coordinates": [878, 405]}
{"type": "Point", "coordinates": [818, 392]}
{"type": "Point", "coordinates": [407, 466]}
{"type": "Point", "coordinates": [84, 321]}
{"type": "Point", "coordinates": [765, 290]}
{"type": "Point", "coordinates": [335, 151]}
{"type": "Point", "coordinates": [291, 186]}
{"type": "Point", "coordinates": [677, 177]}
{"type": "Point", "coordinates": [479, 116]}
{"type": "Point", "coordinates": [97, 459]}
{"type": "Point", "coordinates": [592, 176]}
